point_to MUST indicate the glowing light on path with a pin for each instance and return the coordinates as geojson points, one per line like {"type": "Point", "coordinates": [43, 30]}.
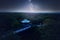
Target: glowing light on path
{"type": "Point", "coordinates": [26, 26]}
{"type": "Point", "coordinates": [20, 30]}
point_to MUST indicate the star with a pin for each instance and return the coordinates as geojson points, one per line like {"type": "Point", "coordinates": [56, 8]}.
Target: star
{"type": "Point", "coordinates": [29, 0]}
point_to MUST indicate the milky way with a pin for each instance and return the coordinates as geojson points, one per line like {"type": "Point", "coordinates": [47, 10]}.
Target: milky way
{"type": "Point", "coordinates": [22, 5]}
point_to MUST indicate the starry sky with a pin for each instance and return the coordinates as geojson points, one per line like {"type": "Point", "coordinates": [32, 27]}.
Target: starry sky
{"type": "Point", "coordinates": [9, 22]}
{"type": "Point", "coordinates": [9, 5]}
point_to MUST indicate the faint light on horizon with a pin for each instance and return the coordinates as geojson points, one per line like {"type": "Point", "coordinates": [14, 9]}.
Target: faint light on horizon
{"type": "Point", "coordinates": [32, 8]}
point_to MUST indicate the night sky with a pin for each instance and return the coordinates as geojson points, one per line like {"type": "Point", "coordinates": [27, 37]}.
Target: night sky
{"type": "Point", "coordinates": [8, 5]}
{"type": "Point", "coordinates": [44, 26]}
